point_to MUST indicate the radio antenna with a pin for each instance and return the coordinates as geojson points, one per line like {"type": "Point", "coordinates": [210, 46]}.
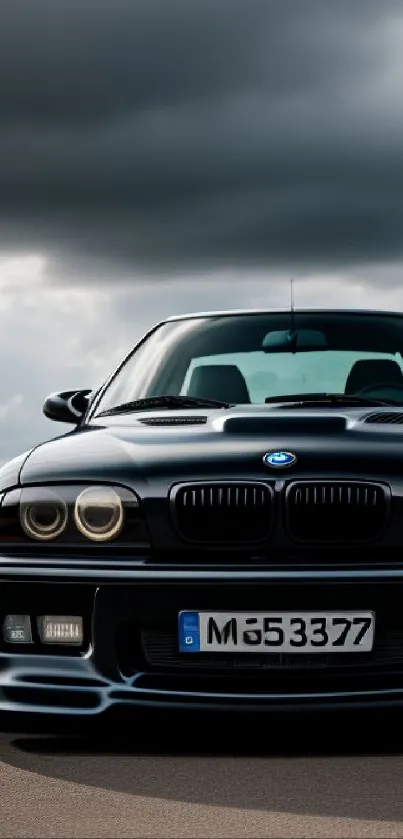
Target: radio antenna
{"type": "Point", "coordinates": [292, 318]}
{"type": "Point", "coordinates": [292, 303]}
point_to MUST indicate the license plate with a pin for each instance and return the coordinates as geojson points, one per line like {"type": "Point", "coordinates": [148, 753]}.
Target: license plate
{"type": "Point", "coordinates": [281, 632]}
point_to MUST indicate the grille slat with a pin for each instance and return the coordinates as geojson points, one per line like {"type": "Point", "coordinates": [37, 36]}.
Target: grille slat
{"type": "Point", "coordinates": [335, 511]}
{"type": "Point", "coordinates": [223, 512]}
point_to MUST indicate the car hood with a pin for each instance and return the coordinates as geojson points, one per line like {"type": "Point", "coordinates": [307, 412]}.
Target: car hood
{"type": "Point", "coordinates": [137, 449]}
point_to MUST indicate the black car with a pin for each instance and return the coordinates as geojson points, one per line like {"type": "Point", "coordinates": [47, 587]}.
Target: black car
{"type": "Point", "coordinates": [222, 528]}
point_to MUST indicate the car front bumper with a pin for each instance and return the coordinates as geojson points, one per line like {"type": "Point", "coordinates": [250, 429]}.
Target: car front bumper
{"type": "Point", "coordinates": [129, 658]}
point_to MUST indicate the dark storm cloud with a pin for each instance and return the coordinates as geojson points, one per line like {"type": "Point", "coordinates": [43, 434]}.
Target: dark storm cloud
{"type": "Point", "coordinates": [172, 134]}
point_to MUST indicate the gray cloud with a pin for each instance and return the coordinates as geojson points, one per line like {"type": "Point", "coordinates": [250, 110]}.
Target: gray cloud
{"type": "Point", "coordinates": [87, 60]}
{"type": "Point", "coordinates": [162, 135]}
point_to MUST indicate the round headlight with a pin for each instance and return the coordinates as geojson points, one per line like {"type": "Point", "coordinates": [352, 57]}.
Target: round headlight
{"type": "Point", "coordinates": [98, 513]}
{"type": "Point", "coordinates": [45, 518]}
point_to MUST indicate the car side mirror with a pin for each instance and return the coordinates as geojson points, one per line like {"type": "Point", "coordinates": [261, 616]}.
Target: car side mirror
{"type": "Point", "coordinates": [67, 406]}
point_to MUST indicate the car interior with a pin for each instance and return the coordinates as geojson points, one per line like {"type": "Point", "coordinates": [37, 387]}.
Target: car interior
{"type": "Point", "coordinates": [219, 381]}
{"type": "Point", "coordinates": [369, 372]}
{"type": "Point", "coordinates": [226, 382]}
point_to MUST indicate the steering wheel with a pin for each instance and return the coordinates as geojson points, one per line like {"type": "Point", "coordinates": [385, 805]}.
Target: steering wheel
{"type": "Point", "coordinates": [380, 386]}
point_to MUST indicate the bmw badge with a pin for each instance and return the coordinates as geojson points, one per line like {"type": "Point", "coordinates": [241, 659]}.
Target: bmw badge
{"type": "Point", "coordinates": [279, 460]}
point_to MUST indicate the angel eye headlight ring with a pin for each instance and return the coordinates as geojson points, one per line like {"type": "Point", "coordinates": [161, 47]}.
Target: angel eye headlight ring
{"type": "Point", "coordinates": [45, 518]}
{"type": "Point", "coordinates": [98, 513]}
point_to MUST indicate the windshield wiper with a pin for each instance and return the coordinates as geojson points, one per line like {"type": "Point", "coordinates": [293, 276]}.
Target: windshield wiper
{"type": "Point", "coordinates": [171, 403]}
{"type": "Point", "coordinates": [328, 399]}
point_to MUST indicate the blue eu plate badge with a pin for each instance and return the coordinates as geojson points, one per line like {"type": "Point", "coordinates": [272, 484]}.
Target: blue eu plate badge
{"type": "Point", "coordinates": [189, 632]}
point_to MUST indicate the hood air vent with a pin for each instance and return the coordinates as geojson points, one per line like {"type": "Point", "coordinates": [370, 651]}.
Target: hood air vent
{"type": "Point", "coordinates": [171, 421]}
{"type": "Point", "coordinates": [385, 418]}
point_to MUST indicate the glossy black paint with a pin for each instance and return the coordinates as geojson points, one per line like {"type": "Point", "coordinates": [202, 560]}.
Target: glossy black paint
{"type": "Point", "coordinates": [151, 584]}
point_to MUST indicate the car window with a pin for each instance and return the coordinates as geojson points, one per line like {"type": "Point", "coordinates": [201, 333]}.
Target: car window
{"type": "Point", "coordinates": [280, 373]}
{"type": "Point", "coordinates": [250, 365]}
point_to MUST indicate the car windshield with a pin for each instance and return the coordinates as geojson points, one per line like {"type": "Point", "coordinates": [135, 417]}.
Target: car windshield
{"type": "Point", "coordinates": [247, 358]}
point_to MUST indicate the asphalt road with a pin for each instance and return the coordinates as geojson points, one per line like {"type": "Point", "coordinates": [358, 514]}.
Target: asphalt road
{"type": "Point", "coordinates": [199, 778]}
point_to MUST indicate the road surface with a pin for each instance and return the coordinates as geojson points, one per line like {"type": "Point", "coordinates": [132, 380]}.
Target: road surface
{"type": "Point", "coordinates": [254, 778]}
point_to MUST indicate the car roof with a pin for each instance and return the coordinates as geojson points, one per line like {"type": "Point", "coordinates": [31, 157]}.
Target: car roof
{"type": "Point", "coordinates": [237, 312]}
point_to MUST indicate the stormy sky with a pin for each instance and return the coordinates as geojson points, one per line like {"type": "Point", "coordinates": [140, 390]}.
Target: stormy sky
{"type": "Point", "coordinates": [161, 156]}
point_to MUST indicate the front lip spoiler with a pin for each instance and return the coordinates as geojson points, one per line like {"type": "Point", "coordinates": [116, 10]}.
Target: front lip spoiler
{"type": "Point", "coordinates": [58, 687]}
{"type": "Point", "coordinates": [124, 698]}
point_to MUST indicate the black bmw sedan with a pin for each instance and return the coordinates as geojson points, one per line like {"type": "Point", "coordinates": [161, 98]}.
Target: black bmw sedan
{"type": "Point", "coordinates": [221, 527]}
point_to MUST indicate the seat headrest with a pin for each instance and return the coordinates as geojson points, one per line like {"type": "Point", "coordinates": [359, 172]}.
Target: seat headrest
{"type": "Point", "coordinates": [219, 381]}
{"type": "Point", "coordinates": [373, 371]}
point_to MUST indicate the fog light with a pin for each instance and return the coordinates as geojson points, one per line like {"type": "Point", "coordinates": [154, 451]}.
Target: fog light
{"type": "Point", "coordinates": [61, 629]}
{"type": "Point", "coordinates": [17, 629]}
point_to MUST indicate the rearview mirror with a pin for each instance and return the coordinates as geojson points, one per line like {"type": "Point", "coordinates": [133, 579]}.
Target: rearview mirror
{"type": "Point", "coordinates": [294, 340]}
{"type": "Point", "coordinates": [67, 406]}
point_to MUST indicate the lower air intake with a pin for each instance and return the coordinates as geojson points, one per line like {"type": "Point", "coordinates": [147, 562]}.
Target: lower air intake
{"type": "Point", "coordinates": [331, 511]}
{"type": "Point", "coordinates": [160, 649]}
